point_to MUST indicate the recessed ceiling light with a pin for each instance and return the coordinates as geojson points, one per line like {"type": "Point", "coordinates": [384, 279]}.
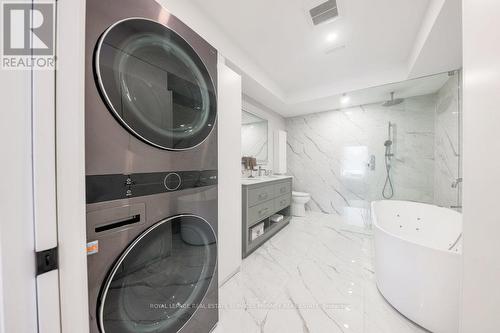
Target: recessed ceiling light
{"type": "Point", "coordinates": [345, 99]}
{"type": "Point", "coordinates": [331, 37]}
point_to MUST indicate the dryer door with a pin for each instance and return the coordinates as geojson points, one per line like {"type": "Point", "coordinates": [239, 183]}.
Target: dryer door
{"type": "Point", "coordinates": [160, 279]}
{"type": "Point", "coordinates": [155, 84]}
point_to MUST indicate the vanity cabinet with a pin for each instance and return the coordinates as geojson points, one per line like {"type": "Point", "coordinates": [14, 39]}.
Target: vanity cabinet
{"type": "Point", "coordinates": [261, 200]}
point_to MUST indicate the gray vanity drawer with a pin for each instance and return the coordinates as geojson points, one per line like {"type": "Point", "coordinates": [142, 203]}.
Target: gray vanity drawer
{"type": "Point", "coordinates": [260, 194]}
{"type": "Point", "coordinates": [282, 188]}
{"type": "Point", "coordinates": [282, 202]}
{"type": "Point", "coordinates": [259, 212]}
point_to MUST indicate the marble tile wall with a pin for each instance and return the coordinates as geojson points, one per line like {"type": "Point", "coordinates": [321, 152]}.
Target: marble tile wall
{"type": "Point", "coordinates": [447, 144]}
{"type": "Point", "coordinates": [328, 154]}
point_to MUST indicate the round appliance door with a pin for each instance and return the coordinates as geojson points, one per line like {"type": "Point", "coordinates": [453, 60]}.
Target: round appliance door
{"type": "Point", "coordinates": [160, 279]}
{"type": "Point", "coordinates": [155, 84]}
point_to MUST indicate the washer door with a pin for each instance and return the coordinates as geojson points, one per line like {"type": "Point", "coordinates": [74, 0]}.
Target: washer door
{"type": "Point", "coordinates": [160, 279]}
{"type": "Point", "coordinates": [155, 84]}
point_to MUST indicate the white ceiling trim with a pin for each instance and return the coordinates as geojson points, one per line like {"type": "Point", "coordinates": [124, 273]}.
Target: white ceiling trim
{"type": "Point", "coordinates": [439, 47]}
{"type": "Point", "coordinates": [430, 18]}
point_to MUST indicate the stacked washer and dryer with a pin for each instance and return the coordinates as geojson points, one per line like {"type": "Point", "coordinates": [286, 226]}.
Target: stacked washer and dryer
{"type": "Point", "coordinates": [151, 171]}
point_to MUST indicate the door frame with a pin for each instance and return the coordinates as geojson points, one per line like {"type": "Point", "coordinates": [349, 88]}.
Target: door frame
{"type": "Point", "coordinates": [70, 165]}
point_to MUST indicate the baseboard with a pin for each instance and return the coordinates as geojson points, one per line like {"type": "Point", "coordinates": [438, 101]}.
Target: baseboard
{"type": "Point", "coordinates": [236, 271]}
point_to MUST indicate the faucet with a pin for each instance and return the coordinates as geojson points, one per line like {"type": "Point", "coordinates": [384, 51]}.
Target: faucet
{"type": "Point", "coordinates": [260, 171]}
{"type": "Point", "coordinates": [456, 182]}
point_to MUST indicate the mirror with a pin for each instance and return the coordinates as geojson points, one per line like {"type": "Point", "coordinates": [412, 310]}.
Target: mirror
{"type": "Point", "coordinates": [254, 137]}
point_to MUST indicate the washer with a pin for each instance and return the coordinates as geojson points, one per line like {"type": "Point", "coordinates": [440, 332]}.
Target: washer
{"type": "Point", "coordinates": [151, 171]}
{"type": "Point", "coordinates": [153, 262]}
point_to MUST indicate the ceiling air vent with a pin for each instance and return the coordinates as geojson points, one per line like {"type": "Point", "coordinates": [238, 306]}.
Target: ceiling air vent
{"type": "Point", "coordinates": [324, 12]}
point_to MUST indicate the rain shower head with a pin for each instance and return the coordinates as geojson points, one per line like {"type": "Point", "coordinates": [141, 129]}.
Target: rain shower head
{"type": "Point", "coordinates": [393, 101]}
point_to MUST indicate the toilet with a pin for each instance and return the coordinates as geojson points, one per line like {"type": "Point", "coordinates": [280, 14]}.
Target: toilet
{"type": "Point", "coordinates": [299, 200]}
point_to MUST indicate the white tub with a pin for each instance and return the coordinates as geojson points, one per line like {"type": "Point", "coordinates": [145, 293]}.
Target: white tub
{"type": "Point", "coordinates": [417, 261]}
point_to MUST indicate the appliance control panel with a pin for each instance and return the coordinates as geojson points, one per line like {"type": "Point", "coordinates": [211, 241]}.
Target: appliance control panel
{"type": "Point", "coordinates": [101, 188]}
{"type": "Point", "coordinates": [172, 181]}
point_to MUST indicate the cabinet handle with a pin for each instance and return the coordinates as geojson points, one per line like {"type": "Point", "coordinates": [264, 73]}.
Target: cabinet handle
{"type": "Point", "coordinates": [263, 196]}
{"type": "Point", "coordinates": [262, 211]}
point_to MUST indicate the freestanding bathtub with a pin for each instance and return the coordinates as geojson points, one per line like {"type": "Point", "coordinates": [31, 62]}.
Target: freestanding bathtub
{"type": "Point", "coordinates": [417, 261]}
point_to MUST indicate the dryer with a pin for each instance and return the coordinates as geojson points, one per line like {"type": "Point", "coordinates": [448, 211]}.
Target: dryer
{"type": "Point", "coordinates": [151, 171]}
{"type": "Point", "coordinates": [150, 91]}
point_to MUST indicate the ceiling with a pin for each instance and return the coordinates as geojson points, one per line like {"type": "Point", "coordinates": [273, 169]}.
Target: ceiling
{"type": "Point", "coordinates": [377, 42]}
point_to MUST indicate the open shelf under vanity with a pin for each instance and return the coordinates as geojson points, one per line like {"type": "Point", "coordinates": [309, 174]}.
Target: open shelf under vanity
{"type": "Point", "coordinates": [261, 201]}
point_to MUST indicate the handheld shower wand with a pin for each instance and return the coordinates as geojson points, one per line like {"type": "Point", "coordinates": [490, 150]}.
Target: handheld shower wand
{"type": "Point", "coordinates": [388, 156]}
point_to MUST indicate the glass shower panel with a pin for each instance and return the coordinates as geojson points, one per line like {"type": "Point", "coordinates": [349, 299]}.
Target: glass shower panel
{"type": "Point", "coordinates": [447, 181]}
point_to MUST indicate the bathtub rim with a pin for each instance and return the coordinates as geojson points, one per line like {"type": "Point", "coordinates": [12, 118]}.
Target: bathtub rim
{"type": "Point", "coordinates": [377, 225]}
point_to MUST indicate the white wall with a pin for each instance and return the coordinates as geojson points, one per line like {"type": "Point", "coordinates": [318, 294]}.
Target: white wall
{"type": "Point", "coordinates": [229, 144]}
{"type": "Point", "coordinates": [275, 122]}
{"type": "Point", "coordinates": [481, 167]}
{"type": "Point", "coordinates": [16, 200]}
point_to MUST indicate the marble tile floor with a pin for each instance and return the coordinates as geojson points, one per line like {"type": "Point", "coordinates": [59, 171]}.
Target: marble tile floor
{"type": "Point", "coordinates": [315, 276]}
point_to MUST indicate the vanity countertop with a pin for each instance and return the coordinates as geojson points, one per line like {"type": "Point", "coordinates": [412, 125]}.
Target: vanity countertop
{"type": "Point", "coordinates": [263, 179]}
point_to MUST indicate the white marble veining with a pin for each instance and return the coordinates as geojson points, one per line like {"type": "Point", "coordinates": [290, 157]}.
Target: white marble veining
{"type": "Point", "coordinates": [328, 154]}
{"type": "Point", "coordinates": [315, 276]}
{"type": "Point", "coordinates": [447, 147]}
{"type": "Point", "coordinates": [263, 179]}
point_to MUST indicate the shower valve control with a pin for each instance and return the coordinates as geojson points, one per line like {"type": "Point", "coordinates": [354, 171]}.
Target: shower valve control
{"type": "Point", "coordinates": [372, 162]}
